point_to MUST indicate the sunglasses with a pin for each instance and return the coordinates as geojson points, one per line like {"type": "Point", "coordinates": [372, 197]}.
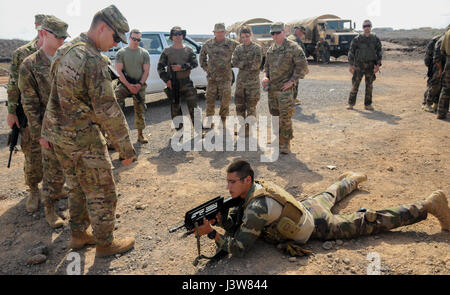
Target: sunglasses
{"type": "Point", "coordinates": [367, 26]}
{"type": "Point", "coordinates": [178, 34]}
{"type": "Point", "coordinates": [64, 38]}
{"type": "Point", "coordinates": [136, 39]}
{"type": "Point", "coordinates": [275, 33]}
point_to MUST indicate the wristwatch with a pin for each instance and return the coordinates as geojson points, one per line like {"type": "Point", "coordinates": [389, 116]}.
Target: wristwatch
{"type": "Point", "coordinates": [212, 235]}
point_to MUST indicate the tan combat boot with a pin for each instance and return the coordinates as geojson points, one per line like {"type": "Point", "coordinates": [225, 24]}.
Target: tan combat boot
{"type": "Point", "coordinates": [349, 107]}
{"type": "Point", "coordinates": [298, 101]}
{"type": "Point", "coordinates": [32, 203]}
{"type": "Point", "coordinates": [52, 218]}
{"type": "Point", "coordinates": [118, 246]}
{"type": "Point", "coordinates": [285, 147]}
{"type": "Point", "coordinates": [428, 108]}
{"type": "Point", "coordinates": [352, 176]}
{"type": "Point", "coordinates": [369, 108]}
{"type": "Point", "coordinates": [437, 205]}
{"type": "Point", "coordinates": [81, 239]}
{"type": "Point", "coordinates": [141, 138]}
{"type": "Point", "coordinates": [435, 107]}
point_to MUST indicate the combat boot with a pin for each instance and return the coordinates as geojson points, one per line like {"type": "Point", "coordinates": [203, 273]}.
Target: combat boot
{"type": "Point", "coordinates": [32, 203]}
{"type": "Point", "coordinates": [141, 138]}
{"type": "Point", "coordinates": [369, 108]}
{"type": "Point", "coordinates": [352, 176]}
{"type": "Point", "coordinates": [81, 239]}
{"type": "Point", "coordinates": [435, 107]}
{"type": "Point", "coordinates": [285, 147]}
{"type": "Point", "coordinates": [298, 101]}
{"type": "Point", "coordinates": [118, 246]}
{"type": "Point", "coordinates": [428, 109]}
{"type": "Point", "coordinates": [350, 107]}
{"type": "Point", "coordinates": [437, 205]}
{"type": "Point", "coordinates": [52, 218]}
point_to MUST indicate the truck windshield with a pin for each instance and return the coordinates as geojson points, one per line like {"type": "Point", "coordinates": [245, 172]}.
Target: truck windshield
{"type": "Point", "coordinates": [339, 25]}
{"type": "Point", "coordinates": [261, 30]}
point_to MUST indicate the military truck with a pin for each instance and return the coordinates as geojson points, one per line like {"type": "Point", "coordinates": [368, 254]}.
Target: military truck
{"type": "Point", "coordinates": [336, 32]}
{"type": "Point", "coordinates": [261, 32]}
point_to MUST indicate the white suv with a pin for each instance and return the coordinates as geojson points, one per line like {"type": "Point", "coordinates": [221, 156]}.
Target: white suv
{"type": "Point", "coordinates": [155, 43]}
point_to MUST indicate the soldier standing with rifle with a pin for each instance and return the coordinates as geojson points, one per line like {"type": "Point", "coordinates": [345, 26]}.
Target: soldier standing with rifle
{"type": "Point", "coordinates": [133, 66]}
{"type": "Point", "coordinates": [174, 68]}
{"type": "Point", "coordinates": [34, 85]}
{"type": "Point", "coordinates": [16, 116]}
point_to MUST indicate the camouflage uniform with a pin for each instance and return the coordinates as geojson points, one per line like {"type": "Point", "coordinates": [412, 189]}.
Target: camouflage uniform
{"type": "Point", "coordinates": [432, 58]}
{"type": "Point", "coordinates": [248, 90]}
{"type": "Point", "coordinates": [322, 51]}
{"type": "Point", "coordinates": [444, 98]}
{"type": "Point", "coordinates": [187, 58]}
{"type": "Point", "coordinates": [34, 84]}
{"type": "Point", "coordinates": [215, 59]}
{"type": "Point", "coordinates": [295, 38]}
{"type": "Point", "coordinates": [122, 92]}
{"type": "Point", "coordinates": [244, 225]}
{"type": "Point", "coordinates": [284, 63]}
{"type": "Point", "coordinates": [31, 149]}
{"type": "Point", "coordinates": [365, 53]}
{"type": "Point", "coordinates": [81, 102]}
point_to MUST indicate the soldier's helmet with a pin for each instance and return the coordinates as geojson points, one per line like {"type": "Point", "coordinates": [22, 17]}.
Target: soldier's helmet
{"type": "Point", "coordinates": [177, 29]}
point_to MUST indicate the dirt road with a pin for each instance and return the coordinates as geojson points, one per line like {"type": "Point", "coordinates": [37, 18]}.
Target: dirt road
{"type": "Point", "coordinates": [403, 150]}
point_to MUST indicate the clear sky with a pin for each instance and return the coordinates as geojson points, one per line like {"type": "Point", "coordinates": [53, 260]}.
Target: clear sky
{"type": "Point", "coordinates": [199, 16]}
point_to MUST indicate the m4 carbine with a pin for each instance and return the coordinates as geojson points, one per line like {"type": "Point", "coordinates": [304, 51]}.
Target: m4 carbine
{"type": "Point", "coordinates": [175, 86]}
{"type": "Point", "coordinates": [13, 136]}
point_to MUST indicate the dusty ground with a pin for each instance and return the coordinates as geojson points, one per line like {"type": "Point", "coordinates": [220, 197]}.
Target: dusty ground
{"type": "Point", "coordinates": [403, 150]}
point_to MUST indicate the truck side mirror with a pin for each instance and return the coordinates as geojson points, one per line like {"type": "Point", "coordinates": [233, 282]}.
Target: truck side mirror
{"type": "Point", "coordinates": [354, 26]}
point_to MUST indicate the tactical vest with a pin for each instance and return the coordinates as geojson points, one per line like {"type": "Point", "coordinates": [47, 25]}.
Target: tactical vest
{"type": "Point", "coordinates": [366, 51]}
{"type": "Point", "coordinates": [287, 226]}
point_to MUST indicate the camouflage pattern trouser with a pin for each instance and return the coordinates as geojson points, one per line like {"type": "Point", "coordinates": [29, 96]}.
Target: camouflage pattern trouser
{"type": "Point", "coordinates": [434, 86]}
{"type": "Point", "coordinates": [246, 99]}
{"type": "Point", "coordinates": [331, 227]}
{"type": "Point", "coordinates": [189, 93]}
{"type": "Point", "coordinates": [53, 177]}
{"type": "Point", "coordinates": [214, 90]}
{"type": "Point", "coordinates": [281, 104]}
{"type": "Point", "coordinates": [33, 158]}
{"type": "Point", "coordinates": [444, 98]}
{"type": "Point", "coordinates": [122, 93]}
{"type": "Point", "coordinates": [92, 191]}
{"type": "Point", "coordinates": [362, 70]}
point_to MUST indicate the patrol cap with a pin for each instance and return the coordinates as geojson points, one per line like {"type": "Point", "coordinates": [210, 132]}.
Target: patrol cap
{"type": "Point", "coordinates": [277, 27]}
{"type": "Point", "coordinates": [55, 26]}
{"type": "Point", "coordinates": [300, 27]}
{"type": "Point", "coordinates": [39, 19]}
{"type": "Point", "coordinates": [114, 18]}
{"type": "Point", "coordinates": [220, 27]}
{"type": "Point", "coordinates": [177, 28]}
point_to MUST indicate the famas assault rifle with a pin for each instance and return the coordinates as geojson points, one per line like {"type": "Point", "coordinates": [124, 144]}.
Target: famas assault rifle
{"type": "Point", "coordinates": [209, 211]}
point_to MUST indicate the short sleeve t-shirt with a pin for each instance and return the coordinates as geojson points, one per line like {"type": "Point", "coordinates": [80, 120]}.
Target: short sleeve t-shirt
{"type": "Point", "coordinates": [133, 61]}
